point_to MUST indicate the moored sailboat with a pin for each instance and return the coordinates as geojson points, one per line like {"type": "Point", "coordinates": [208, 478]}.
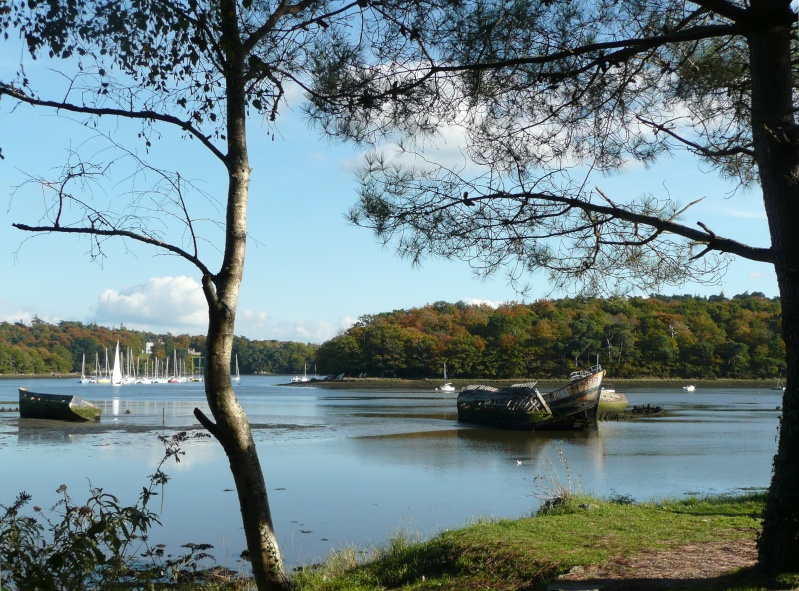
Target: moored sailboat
{"type": "Point", "coordinates": [116, 373]}
{"type": "Point", "coordinates": [105, 376]}
{"type": "Point", "coordinates": [237, 377]}
{"type": "Point", "coordinates": [447, 387]}
{"type": "Point", "coordinates": [303, 377]}
{"type": "Point", "coordinates": [83, 379]}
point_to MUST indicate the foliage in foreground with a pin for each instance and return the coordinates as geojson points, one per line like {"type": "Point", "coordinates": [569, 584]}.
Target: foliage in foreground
{"type": "Point", "coordinates": [100, 544]}
{"type": "Point", "coordinates": [103, 545]}
{"type": "Point", "coordinates": [527, 553]}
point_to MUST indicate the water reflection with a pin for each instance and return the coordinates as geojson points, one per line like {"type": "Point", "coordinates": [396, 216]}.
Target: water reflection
{"type": "Point", "coordinates": [349, 467]}
{"type": "Point", "coordinates": [458, 447]}
{"type": "Point", "coordinates": [35, 431]}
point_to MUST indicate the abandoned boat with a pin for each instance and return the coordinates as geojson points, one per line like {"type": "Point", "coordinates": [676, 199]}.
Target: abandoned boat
{"type": "Point", "coordinates": [522, 406]}
{"type": "Point", "coordinates": [60, 407]}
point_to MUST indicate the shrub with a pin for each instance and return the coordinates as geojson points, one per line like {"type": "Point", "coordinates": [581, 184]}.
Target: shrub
{"type": "Point", "coordinates": [98, 544]}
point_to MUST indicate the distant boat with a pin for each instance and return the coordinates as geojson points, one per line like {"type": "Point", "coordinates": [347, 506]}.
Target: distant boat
{"type": "Point", "coordinates": [105, 377]}
{"type": "Point", "coordinates": [59, 407]}
{"type": "Point", "coordinates": [780, 385]}
{"type": "Point", "coordinates": [447, 387]}
{"type": "Point", "coordinates": [237, 377]}
{"type": "Point", "coordinates": [160, 378]}
{"type": "Point", "coordinates": [116, 373]}
{"type": "Point", "coordinates": [175, 377]}
{"type": "Point", "coordinates": [303, 377]}
{"type": "Point", "coordinates": [130, 374]}
{"type": "Point", "coordinates": [522, 406]}
{"type": "Point", "coordinates": [690, 388]}
{"type": "Point", "coordinates": [83, 379]}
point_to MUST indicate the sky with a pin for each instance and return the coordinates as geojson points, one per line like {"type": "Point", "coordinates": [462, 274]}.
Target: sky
{"type": "Point", "coordinates": [309, 274]}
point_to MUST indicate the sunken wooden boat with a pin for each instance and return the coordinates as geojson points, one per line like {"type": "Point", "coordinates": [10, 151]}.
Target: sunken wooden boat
{"type": "Point", "coordinates": [522, 406]}
{"type": "Point", "coordinates": [59, 407]}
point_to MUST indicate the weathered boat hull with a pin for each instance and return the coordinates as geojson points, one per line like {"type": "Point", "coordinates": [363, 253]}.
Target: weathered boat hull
{"type": "Point", "coordinates": [522, 406]}
{"type": "Point", "coordinates": [59, 407]}
{"type": "Point", "coordinates": [610, 400]}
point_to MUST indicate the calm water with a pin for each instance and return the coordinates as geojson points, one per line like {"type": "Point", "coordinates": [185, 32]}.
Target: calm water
{"type": "Point", "coordinates": [351, 467]}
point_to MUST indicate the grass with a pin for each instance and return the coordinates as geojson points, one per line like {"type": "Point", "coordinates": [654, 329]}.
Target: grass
{"type": "Point", "coordinates": [528, 553]}
{"type": "Point", "coordinates": [525, 554]}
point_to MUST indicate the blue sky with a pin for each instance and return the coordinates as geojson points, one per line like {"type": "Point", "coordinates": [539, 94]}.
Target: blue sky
{"type": "Point", "coordinates": [309, 273]}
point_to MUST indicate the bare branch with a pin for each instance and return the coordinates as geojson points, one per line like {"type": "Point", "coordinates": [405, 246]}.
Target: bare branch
{"type": "Point", "coordinates": [120, 233]}
{"type": "Point", "coordinates": [147, 115]}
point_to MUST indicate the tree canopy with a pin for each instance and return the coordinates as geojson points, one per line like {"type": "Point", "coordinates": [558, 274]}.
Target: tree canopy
{"type": "Point", "coordinates": [544, 98]}
{"type": "Point", "coordinates": [657, 337]}
{"type": "Point", "coordinates": [44, 348]}
{"type": "Point", "coordinates": [546, 95]}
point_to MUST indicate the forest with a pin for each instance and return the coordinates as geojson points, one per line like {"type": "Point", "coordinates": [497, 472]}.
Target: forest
{"type": "Point", "coordinates": [43, 348]}
{"type": "Point", "coordinates": [658, 336]}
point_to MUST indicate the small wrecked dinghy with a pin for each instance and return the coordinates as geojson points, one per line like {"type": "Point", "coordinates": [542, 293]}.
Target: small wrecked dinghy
{"type": "Point", "coordinates": [59, 407]}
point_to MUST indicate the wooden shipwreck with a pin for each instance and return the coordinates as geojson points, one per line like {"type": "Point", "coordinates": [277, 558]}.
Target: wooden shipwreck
{"type": "Point", "coordinates": [522, 406]}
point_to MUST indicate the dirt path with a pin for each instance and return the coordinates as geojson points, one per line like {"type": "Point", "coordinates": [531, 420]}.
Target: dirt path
{"type": "Point", "coordinates": [691, 565]}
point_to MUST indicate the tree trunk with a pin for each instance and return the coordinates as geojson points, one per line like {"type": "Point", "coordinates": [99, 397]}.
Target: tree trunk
{"type": "Point", "coordinates": [775, 144]}
{"type": "Point", "coordinates": [232, 428]}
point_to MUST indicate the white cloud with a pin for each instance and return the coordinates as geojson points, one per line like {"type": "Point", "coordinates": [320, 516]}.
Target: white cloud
{"type": "Point", "coordinates": [479, 302]}
{"type": "Point", "coordinates": [171, 304]}
{"type": "Point", "coordinates": [346, 322]}
{"type": "Point", "coordinates": [259, 326]}
{"type": "Point", "coordinates": [746, 214]}
{"type": "Point", "coordinates": [302, 331]}
{"type": "Point", "coordinates": [314, 332]}
{"type": "Point", "coordinates": [352, 164]}
{"type": "Point", "coordinates": [759, 275]}
{"type": "Point", "coordinates": [251, 322]}
{"type": "Point", "coordinates": [177, 305]}
{"type": "Point", "coordinates": [25, 317]}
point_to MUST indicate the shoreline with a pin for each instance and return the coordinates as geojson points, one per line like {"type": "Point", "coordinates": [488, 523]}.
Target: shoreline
{"type": "Point", "coordinates": [432, 383]}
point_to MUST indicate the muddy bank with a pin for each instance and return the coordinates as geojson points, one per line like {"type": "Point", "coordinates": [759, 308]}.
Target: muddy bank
{"type": "Point", "coordinates": [432, 384]}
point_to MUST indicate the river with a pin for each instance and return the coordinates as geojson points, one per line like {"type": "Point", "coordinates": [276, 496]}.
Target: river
{"type": "Point", "coordinates": [353, 467]}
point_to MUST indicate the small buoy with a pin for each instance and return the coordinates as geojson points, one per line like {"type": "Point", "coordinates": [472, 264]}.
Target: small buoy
{"type": "Point", "coordinates": [518, 462]}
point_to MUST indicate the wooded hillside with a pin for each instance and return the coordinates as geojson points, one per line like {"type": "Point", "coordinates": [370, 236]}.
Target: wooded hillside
{"type": "Point", "coordinates": [44, 348]}
{"type": "Point", "coordinates": [660, 336]}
